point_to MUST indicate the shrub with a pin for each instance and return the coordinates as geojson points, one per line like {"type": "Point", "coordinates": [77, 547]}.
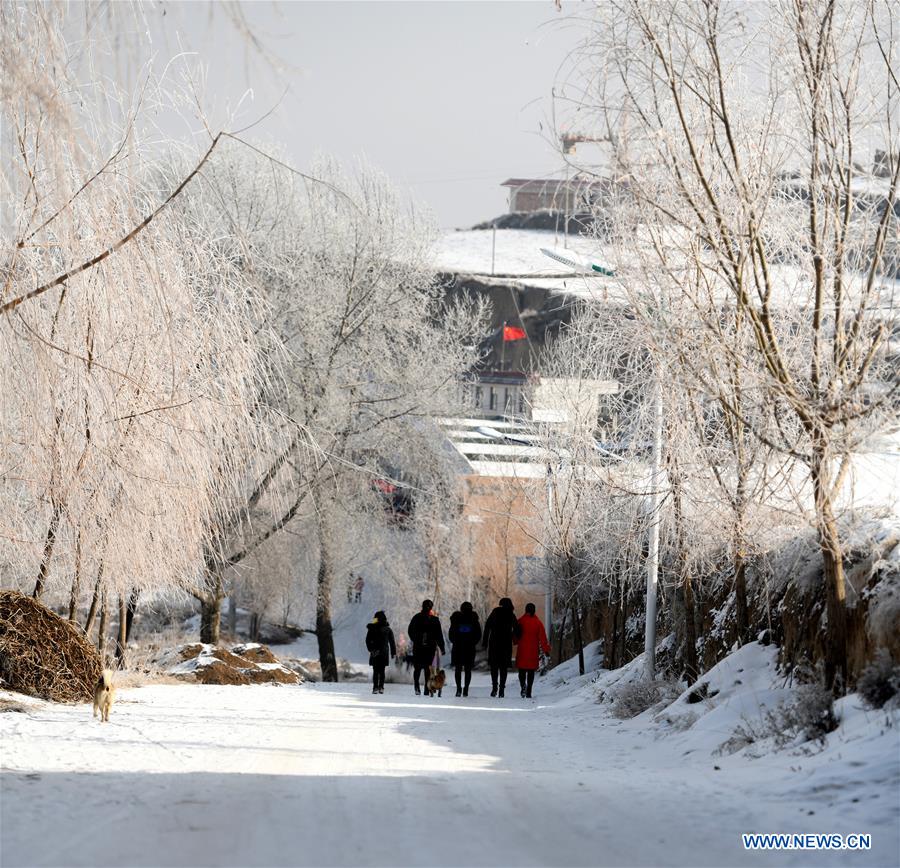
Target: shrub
{"type": "Point", "coordinates": [631, 699]}
{"type": "Point", "coordinates": [811, 715]}
{"type": "Point", "coordinates": [880, 680]}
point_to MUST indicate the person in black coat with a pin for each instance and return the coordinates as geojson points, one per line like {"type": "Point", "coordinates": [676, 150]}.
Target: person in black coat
{"type": "Point", "coordinates": [380, 643]}
{"type": "Point", "coordinates": [427, 635]}
{"type": "Point", "coordinates": [465, 633]}
{"type": "Point", "coordinates": [500, 631]}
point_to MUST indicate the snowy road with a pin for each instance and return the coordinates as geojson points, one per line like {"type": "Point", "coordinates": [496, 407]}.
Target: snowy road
{"type": "Point", "coordinates": [330, 775]}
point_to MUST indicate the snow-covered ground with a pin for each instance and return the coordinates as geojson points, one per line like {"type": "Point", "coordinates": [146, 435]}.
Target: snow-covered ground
{"type": "Point", "coordinates": [323, 774]}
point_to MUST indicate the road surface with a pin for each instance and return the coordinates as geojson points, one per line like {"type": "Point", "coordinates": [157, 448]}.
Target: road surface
{"type": "Point", "coordinates": [331, 775]}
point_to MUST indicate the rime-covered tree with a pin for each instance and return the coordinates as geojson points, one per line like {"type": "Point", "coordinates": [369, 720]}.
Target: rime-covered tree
{"type": "Point", "coordinates": [758, 145]}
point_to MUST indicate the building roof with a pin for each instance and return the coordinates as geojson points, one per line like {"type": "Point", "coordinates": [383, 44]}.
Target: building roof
{"type": "Point", "coordinates": [481, 444]}
{"type": "Point", "coordinates": [518, 252]}
{"type": "Point", "coordinates": [554, 183]}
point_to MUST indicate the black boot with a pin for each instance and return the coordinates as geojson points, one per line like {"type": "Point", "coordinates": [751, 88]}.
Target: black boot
{"type": "Point", "coordinates": [501, 693]}
{"type": "Point", "coordinates": [417, 690]}
{"type": "Point", "coordinates": [465, 691]}
{"type": "Point", "coordinates": [459, 691]}
{"type": "Point", "coordinates": [494, 690]}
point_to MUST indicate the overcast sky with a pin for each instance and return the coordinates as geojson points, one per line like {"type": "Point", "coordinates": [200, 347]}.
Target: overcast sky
{"type": "Point", "coordinates": [446, 97]}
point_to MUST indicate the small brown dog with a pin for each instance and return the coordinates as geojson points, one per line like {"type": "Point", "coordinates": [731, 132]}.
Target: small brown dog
{"type": "Point", "coordinates": [436, 681]}
{"type": "Point", "coordinates": [104, 695]}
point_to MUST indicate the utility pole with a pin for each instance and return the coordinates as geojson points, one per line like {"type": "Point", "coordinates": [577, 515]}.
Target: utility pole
{"type": "Point", "coordinates": [653, 554]}
{"type": "Point", "coordinates": [548, 600]}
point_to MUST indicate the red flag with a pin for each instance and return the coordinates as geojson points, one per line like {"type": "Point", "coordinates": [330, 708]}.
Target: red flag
{"type": "Point", "coordinates": [513, 333]}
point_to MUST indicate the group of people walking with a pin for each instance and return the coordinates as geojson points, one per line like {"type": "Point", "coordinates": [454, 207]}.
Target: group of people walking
{"type": "Point", "coordinates": [501, 632]}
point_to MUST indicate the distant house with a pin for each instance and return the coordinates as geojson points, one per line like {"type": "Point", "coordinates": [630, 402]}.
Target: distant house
{"type": "Point", "coordinates": [505, 458]}
{"type": "Point", "coordinates": [514, 396]}
{"type": "Point", "coordinates": [537, 194]}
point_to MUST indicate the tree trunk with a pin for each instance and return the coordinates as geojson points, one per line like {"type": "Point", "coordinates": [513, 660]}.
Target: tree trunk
{"type": "Point", "coordinates": [561, 638]}
{"type": "Point", "coordinates": [95, 602]}
{"type": "Point", "coordinates": [210, 618]}
{"type": "Point", "coordinates": [132, 608]}
{"type": "Point", "coordinates": [232, 613]}
{"type": "Point", "coordinates": [49, 543]}
{"type": "Point", "coordinates": [742, 614]}
{"type": "Point", "coordinates": [254, 626]}
{"type": "Point", "coordinates": [579, 645]}
{"type": "Point", "coordinates": [612, 652]}
{"type": "Point", "coordinates": [121, 633]}
{"type": "Point", "coordinates": [685, 590]}
{"type": "Point", "coordinates": [833, 566]}
{"type": "Point", "coordinates": [690, 628]}
{"type": "Point", "coordinates": [211, 603]}
{"type": "Point", "coordinates": [76, 580]}
{"type": "Point", "coordinates": [101, 630]}
{"type": "Point", "coordinates": [324, 630]}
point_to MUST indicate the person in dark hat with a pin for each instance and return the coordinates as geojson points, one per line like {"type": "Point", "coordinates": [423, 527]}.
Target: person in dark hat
{"type": "Point", "coordinates": [427, 637]}
{"type": "Point", "coordinates": [500, 632]}
{"type": "Point", "coordinates": [380, 643]}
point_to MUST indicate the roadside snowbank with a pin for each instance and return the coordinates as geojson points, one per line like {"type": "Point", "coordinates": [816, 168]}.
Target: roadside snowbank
{"type": "Point", "coordinates": [722, 725]}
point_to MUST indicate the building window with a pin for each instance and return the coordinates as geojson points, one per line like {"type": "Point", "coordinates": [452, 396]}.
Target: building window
{"type": "Point", "coordinates": [521, 403]}
{"type": "Point", "coordinates": [492, 399]}
{"type": "Point", "coordinates": [479, 397]}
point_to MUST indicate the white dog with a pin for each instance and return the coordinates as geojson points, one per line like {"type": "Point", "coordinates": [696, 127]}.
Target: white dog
{"type": "Point", "coordinates": [104, 695]}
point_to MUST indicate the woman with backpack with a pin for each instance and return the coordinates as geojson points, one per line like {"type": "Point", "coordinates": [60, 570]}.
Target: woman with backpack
{"type": "Point", "coordinates": [465, 632]}
{"type": "Point", "coordinates": [381, 647]}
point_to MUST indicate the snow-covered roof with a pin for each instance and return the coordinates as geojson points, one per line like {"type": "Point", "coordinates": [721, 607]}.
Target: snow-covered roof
{"type": "Point", "coordinates": [578, 182]}
{"type": "Point", "coordinates": [517, 258]}
{"type": "Point", "coordinates": [516, 255]}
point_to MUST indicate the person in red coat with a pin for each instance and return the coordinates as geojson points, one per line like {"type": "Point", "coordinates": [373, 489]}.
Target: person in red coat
{"type": "Point", "coordinates": [532, 638]}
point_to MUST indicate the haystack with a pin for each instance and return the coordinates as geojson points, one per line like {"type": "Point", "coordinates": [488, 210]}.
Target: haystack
{"type": "Point", "coordinates": [42, 654]}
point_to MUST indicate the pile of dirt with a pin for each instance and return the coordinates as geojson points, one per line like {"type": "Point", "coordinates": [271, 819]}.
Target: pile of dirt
{"type": "Point", "coordinates": [255, 652]}
{"type": "Point", "coordinates": [42, 654]}
{"type": "Point", "coordinates": [250, 663]}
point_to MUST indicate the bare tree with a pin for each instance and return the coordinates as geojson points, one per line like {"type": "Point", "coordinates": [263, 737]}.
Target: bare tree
{"type": "Point", "coordinates": [601, 512]}
{"type": "Point", "coordinates": [369, 349]}
{"type": "Point", "coordinates": [752, 133]}
{"type": "Point", "coordinates": [125, 382]}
